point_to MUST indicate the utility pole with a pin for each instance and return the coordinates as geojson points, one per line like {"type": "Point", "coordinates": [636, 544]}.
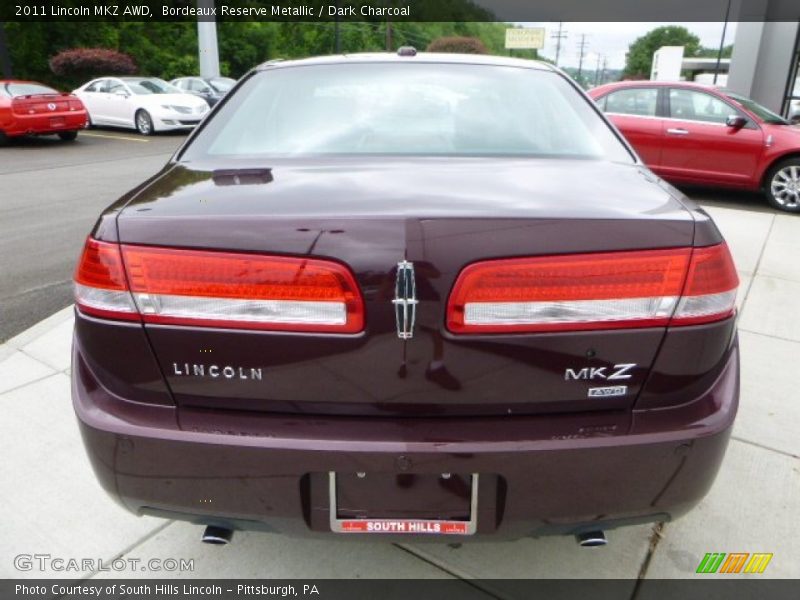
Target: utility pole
{"type": "Point", "coordinates": [389, 42]}
{"type": "Point", "coordinates": [558, 36]}
{"type": "Point", "coordinates": [597, 68]}
{"type": "Point", "coordinates": [207, 48]}
{"type": "Point", "coordinates": [582, 50]}
{"type": "Point", "coordinates": [603, 72]}
{"type": "Point", "coordinates": [5, 56]}
{"type": "Point", "coordinates": [337, 40]}
{"type": "Point", "coordinates": [722, 41]}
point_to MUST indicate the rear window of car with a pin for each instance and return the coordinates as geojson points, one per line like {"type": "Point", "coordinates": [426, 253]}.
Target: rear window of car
{"type": "Point", "coordinates": [634, 101]}
{"type": "Point", "coordinates": [222, 84]}
{"type": "Point", "coordinates": [152, 85]}
{"type": "Point", "coordinates": [26, 89]}
{"type": "Point", "coordinates": [407, 109]}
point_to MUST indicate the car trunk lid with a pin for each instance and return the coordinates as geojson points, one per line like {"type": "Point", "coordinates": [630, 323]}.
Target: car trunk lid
{"type": "Point", "coordinates": [439, 215]}
{"type": "Point", "coordinates": [44, 104]}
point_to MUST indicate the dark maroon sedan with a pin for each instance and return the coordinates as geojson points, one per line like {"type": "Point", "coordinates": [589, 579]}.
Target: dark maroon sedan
{"type": "Point", "coordinates": [413, 295]}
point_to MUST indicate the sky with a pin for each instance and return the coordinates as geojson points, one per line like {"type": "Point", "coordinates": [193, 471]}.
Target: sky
{"type": "Point", "coordinates": [611, 40]}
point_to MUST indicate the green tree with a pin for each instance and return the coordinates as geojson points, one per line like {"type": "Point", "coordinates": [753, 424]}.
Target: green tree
{"type": "Point", "coordinates": [704, 52]}
{"type": "Point", "coordinates": [458, 44]}
{"type": "Point", "coordinates": [169, 49]}
{"type": "Point", "coordinates": [639, 59]}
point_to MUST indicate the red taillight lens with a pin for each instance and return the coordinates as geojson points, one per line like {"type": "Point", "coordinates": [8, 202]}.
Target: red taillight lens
{"type": "Point", "coordinates": [711, 285]}
{"type": "Point", "coordinates": [246, 291]}
{"type": "Point", "coordinates": [591, 291]}
{"type": "Point", "coordinates": [100, 285]}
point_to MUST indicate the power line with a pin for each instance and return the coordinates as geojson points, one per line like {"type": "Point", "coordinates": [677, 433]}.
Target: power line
{"type": "Point", "coordinates": [413, 36]}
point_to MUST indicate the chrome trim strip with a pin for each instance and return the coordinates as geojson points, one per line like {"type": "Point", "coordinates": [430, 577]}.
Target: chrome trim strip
{"type": "Point", "coordinates": [750, 121]}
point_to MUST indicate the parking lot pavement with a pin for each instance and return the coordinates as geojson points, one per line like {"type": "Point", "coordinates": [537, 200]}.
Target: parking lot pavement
{"type": "Point", "coordinates": [58, 508]}
{"type": "Point", "coordinates": [51, 196]}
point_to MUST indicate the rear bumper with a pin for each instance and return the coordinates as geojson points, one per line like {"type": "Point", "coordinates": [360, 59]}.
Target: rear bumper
{"type": "Point", "coordinates": [173, 121]}
{"type": "Point", "coordinates": [45, 124]}
{"type": "Point", "coordinates": [556, 474]}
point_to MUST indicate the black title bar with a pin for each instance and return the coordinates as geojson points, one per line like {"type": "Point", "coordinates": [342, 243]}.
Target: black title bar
{"type": "Point", "coordinates": [399, 10]}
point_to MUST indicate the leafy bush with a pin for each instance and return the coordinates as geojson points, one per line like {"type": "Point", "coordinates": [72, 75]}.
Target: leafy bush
{"type": "Point", "coordinates": [458, 45]}
{"type": "Point", "coordinates": [85, 63]}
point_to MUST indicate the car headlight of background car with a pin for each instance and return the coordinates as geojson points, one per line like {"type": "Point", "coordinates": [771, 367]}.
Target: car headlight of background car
{"type": "Point", "coordinates": [184, 110]}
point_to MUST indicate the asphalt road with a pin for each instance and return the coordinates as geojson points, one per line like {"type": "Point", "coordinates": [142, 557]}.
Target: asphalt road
{"type": "Point", "coordinates": [51, 193]}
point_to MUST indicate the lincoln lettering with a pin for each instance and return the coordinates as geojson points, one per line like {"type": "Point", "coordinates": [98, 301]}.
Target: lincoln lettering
{"type": "Point", "coordinates": [215, 371]}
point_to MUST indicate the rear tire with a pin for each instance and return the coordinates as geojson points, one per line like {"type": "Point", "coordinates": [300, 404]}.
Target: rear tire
{"type": "Point", "coordinates": [144, 122]}
{"type": "Point", "coordinates": [68, 136]}
{"type": "Point", "coordinates": [3, 139]}
{"type": "Point", "coordinates": [782, 185]}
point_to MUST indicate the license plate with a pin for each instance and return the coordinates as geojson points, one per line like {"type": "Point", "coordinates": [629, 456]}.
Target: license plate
{"type": "Point", "coordinates": [57, 122]}
{"type": "Point", "coordinates": [403, 526]}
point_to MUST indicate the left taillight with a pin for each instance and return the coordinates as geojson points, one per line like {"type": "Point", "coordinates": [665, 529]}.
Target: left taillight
{"type": "Point", "coordinates": [220, 289]}
{"type": "Point", "coordinates": [101, 288]}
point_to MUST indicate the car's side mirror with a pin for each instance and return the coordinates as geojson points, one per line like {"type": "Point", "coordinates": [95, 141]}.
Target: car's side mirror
{"type": "Point", "coordinates": [735, 121]}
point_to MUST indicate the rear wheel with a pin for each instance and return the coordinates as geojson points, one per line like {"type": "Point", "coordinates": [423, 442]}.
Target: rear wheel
{"type": "Point", "coordinates": [68, 136]}
{"type": "Point", "coordinates": [144, 123]}
{"type": "Point", "coordinates": [783, 185]}
{"type": "Point", "coordinates": [3, 139]}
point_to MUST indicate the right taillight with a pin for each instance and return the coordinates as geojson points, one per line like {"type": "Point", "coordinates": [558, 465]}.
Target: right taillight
{"type": "Point", "coordinates": [217, 289]}
{"type": "Point", "coordinates": [610, 290]}
{"type": "Point", "coordinates": [710, 290]}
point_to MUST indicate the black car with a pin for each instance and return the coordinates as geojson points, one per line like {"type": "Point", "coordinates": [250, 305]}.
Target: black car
{"type": "Point", "coordinates": [210, 89]}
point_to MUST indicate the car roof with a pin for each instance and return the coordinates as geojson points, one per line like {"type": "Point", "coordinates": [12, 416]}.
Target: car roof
{"type": "Point", "coordinates": [647, 83]}
{"type": "Point", "coordinates": [420, 57]}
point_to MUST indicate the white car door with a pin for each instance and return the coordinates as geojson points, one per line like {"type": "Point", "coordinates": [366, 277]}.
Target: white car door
{"type": "Point", "coordinates": [121, 104]}
{"type": "Point", "coordinates": [94, 99]}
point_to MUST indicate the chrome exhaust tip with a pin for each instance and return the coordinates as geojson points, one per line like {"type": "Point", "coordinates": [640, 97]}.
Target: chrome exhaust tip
{"type": "Point", "coordinates": [219, 536]}
{"type": "Point", "coordinates": [591, 539]}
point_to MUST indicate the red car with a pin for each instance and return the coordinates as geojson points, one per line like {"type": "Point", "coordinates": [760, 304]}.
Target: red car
{"type": "Point", "coordinates": [690, 133]}
{"type": "Point", "coordinates": [30, 108]}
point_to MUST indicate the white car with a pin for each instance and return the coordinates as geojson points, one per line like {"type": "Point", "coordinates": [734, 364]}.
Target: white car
{"type": "Point", "coordinates": [147, 104]}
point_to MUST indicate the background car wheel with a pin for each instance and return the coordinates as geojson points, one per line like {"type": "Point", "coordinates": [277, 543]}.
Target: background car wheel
{"type": "Point", "coordinates": [144, 123]}
{"type": "Point", "coordinates": [68, 136]}
{"type": "Point", "coordinates": [783, 185]}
